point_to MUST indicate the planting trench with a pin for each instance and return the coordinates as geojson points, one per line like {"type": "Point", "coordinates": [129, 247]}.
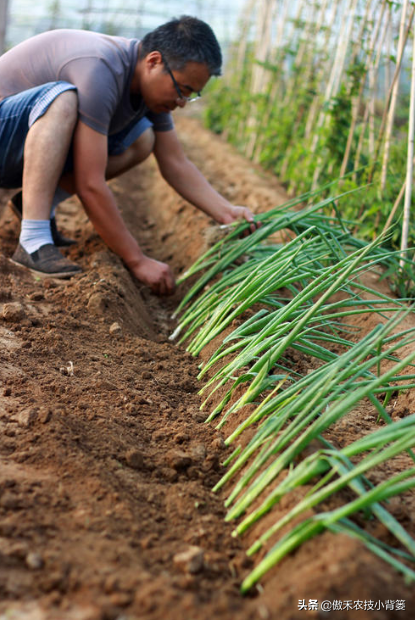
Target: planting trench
{"type": "Point", "coordinates": [106, 467]}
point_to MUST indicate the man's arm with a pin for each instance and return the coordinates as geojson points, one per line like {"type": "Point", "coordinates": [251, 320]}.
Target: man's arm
{"type": "Point", "coordinates": [189, 182]}
{"type": "Point", "coordinates": [90, 161]}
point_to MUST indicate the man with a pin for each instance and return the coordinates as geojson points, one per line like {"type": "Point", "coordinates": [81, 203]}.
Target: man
{"type": "Point", "coordinates": [77, 108]}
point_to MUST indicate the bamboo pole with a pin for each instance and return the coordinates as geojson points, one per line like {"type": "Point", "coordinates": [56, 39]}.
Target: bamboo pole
{"type": "Point", "coordinates": [286, 34]}
{"type": "Point", "coordinates": [263, 37]}
{"type": "Point", "coordinates": [277, 57]}
{"type": "Point", "coordinates": [334, 85]}
{"type": "Point", "coordinates": [410, 162]}
{"type": "Point", "coordinates": [372, 68]}
{"type": "Point", "coordinates": [373, 97]}
{"type": "Point", "coordinates": [323, 70]}
{"type": "Point", "coordinates": [388, 99]}
{"type": "Point", "coordinates": [357, 46]}
{"type": "Point", "coordinates": [336, 72]}
{"type": "Point", "coordinates": [391, 115]}
{"type": "Point", "coordinates": [394, 209]}
{"type": "Point", "coordinates": [388, 72]}
{"type": "Point", "coordinates": [246, 24]}
{"type": "Point", "coordinates": [302, 71]}
{"type": "Point", "coordinates": [245, 27]}
{"type": "Point", "coordinates": [307, 36]}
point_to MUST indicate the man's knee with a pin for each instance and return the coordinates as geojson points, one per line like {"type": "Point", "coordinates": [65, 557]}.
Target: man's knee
{"type": "Point", "coordinates": [143, 146]}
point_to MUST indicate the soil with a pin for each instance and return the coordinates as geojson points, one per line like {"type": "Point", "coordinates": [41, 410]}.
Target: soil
{"type": "Point", "coordinates": [106, 467]}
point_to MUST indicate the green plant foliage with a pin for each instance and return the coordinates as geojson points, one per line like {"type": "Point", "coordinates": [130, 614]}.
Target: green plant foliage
{"type": "Point", "coordinates": [280, 128]}
{"type": "Point", "coordinates": [282, 298]}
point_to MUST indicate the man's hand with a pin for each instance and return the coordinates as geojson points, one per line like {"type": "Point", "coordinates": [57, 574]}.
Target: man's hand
{"type": "Point", "coordinates": [233, 213]}
{"type": "Point", "coordinates": [158, 276]}
{"type": "Point", "coordinates": [189, 182]}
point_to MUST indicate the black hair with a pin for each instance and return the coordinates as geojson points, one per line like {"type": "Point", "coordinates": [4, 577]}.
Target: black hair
{"type": "Point", "coordinates": [184, 40]}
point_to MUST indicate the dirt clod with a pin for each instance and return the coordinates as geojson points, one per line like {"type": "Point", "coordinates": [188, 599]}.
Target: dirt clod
{"type": "Point", "coordinates": [135, 459]}
{"type": "Point", "coordinates": [13, 312]}
{"type": "Point", "coordinates": [190, 561]}
{"type": "Point", "coordinates": [178, 460]}
{"type": "Point", "coordinates": [115, 329]}
{"type": "Point", "coordinates": [27, 417]}
{"type": "Point", "coordinates": [97, 303]}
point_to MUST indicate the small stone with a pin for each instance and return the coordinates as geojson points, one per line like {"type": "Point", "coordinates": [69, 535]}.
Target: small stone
{"type": "Point", "coordinates": [34, 561]}
{"type": "Point", "coordinates": [27, 417]}
{"type": "Point", "coordinates": [199, 452]}
{"type": "Point", "coordinates": [116, 329]}
{"type": "Point", "coordinates": [13, 312]}
{"type": "Point", "coordinates": [200, 417]}
{"type": "Point", "coordinates": [190, 561]}
{"type": "Point", "coordinates": [45, 415]}
{"type": "Point", "coordinates": [97, 303]}
{"type": "Point", "coordinates": [178, 460]}
{"type": "Point", "coordinates": [134, 459]}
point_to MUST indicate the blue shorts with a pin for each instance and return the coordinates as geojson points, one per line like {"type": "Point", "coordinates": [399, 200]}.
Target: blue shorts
{"type": "Point", "coordinates": [19, 112]}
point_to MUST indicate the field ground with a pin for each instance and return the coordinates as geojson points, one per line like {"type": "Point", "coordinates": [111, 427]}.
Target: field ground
{"type": "Point", "coordinates": [106, 467]}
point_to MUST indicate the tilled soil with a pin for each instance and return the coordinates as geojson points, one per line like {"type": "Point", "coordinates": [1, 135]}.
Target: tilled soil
{"type": "Point", "coordinates": [106, 467]}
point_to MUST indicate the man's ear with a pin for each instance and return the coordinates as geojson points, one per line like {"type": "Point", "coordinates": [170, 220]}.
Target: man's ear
{"type": "Point", "coordinates": [153, 59]}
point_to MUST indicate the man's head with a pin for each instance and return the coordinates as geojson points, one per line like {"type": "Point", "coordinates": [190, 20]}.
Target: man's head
{"type": "Point", "coordinates": [176, 61]}
{"type": "Point", "coordinates": [184, 40]}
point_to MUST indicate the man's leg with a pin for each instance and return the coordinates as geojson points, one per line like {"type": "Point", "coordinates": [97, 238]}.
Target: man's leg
{"type": "Point", "coordinates": [46, 148]}
{"type": "Point", "coordinates": [133, 154]}
{"type": "Point", "coordinates": [45, 151]}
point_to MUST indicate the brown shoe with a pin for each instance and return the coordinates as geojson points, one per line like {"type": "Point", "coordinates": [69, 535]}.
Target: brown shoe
{"type": "Point", "coordinates": [47, 261]}
{"type": "Point", "coordinates": [16, 205]}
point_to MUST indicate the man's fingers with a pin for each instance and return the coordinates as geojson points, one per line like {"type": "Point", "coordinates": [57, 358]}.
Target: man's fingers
{"type": "Point", "coordinates": [158, 276]}
{"type": "Point", "coordinates": [160, 288]}
{"type": "Point", "coordinates": [167, 285]}
{"type": "Point", "coordinates": [252, 227]}
{"type": "Point", "coordinates": [250, 218]}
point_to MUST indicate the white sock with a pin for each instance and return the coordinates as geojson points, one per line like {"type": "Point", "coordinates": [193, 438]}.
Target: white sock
{"type": "Point", "coordinates": [34, 234]}
{"type": "Point", "coordinates": [60, 196]}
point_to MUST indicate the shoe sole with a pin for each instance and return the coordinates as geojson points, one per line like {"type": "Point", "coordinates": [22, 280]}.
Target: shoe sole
{"type": "Point", "coordinates": [42, 274]}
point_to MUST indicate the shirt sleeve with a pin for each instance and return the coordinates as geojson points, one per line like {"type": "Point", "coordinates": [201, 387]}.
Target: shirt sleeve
{"type": "Point", "coordinates": [161, 122]}
{"type": "Point", "coordinates": [97, 91]}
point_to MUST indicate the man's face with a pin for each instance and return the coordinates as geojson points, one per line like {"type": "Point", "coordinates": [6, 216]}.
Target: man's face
{"type": "Point", "coordinates": [158, 88]}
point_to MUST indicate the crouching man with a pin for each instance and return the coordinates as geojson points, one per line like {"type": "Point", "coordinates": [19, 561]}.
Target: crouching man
{"type": "Point", "coordinates": [78, 108]}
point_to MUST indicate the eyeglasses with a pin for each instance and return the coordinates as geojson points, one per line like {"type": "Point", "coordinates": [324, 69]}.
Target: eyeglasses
{"type": "Point", "coordinates": [190, 99]}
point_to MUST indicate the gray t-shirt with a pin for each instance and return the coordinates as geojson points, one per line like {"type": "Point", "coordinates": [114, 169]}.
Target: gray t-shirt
{"type": "Point", "coordinates": [100, 66]}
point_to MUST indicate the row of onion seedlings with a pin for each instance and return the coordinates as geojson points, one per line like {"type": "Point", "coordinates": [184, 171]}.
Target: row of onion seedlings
{"type": "Point", "coordinates": [299, 296]}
